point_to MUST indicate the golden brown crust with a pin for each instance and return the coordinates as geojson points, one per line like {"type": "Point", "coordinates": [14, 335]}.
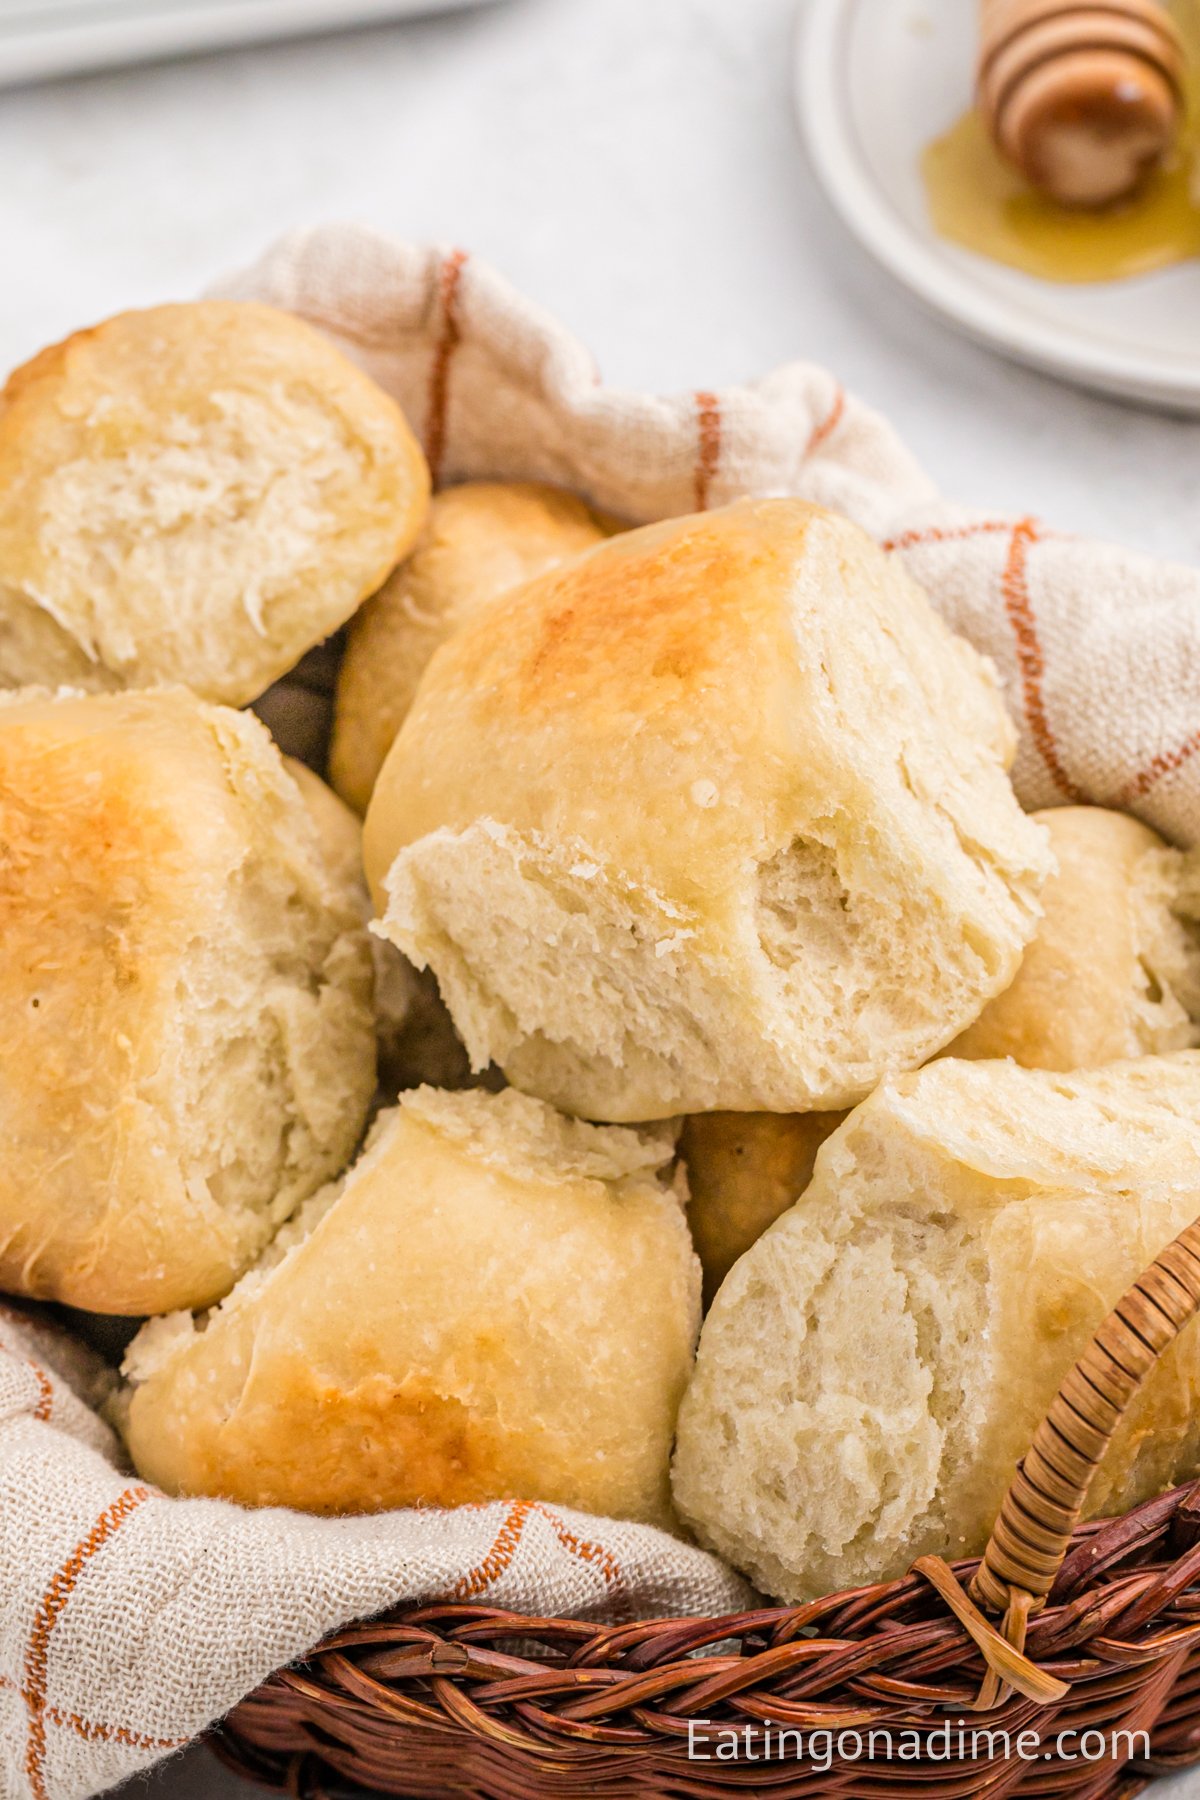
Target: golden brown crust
{"type": "Point", "coordinates": [480, 540]}
{"type": "Point", "coordinates": [194, 493]}
{"type": "Point", "coordinates": [738, 775]}
{"type": "Point", "coordinates": [378, 1444]}
{"type": "Point", "coordinates": [497, 1304]}
{"type": "Point", "coordinates": [184, 1000]}
{"type": "Point", "coordinates": [46, 365]}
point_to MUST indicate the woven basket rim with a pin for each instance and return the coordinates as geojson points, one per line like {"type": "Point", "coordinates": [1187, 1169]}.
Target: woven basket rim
{"type": "Point", "coordinates": [1100, 1631]}
{"type": "Point", "coordinates": [460, 1698]}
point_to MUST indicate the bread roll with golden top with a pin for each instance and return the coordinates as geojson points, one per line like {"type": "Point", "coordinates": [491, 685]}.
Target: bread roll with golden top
{"type": "Point", "coordinates": [715, 817]}
{"type": "Point", "coordinates": [873, 1368]}
{"type": "Point", "coordinates": [743, 1170]}
{"type": "Point", "coordinates": [1114, 970]}
{"type": "Point", "coordinates": [495, 1302]}
{"type": "Point", "coordinates": [185, 999]}
{"type": "Point", "coordinates": [479, 541]}
{"type": "Point", "coordinates": [195, 493]}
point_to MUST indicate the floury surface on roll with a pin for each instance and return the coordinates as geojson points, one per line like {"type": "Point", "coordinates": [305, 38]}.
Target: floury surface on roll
{"type": "Point", "coordinates": [873, 1368]}
{"type": "Point", "coordinates": [714, 817]}
{"type": "Point", "coordinates": [480, 540]}
{"type": "Point", "coordinates": [494, 1302]}
{"type": "Point", "coordinates": [1114, 970]}
{"type": "Point", "coordinates": [185, 998]}
{"type": "Point", "coordinates": [194, 493]}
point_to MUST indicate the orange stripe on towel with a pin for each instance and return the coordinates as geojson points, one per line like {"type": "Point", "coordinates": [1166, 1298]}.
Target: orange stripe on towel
{"type": "Point", "coordinates": [503, 1548]}
{"type": "Point", "coordinates": [1164, 764]}
{"type": "Point", "coordinates": [823, 431]}
{"type": "Point", "coordinates": [1031, 658]}
{"type": "Point", "coordinates": [583, 1548]}
{"type": "Point", "coordinates": [946, 534]}
{"type": "Point", "coordinates": [55, 1598]}
{"type": "Point", "coordinates": [708, 455]}
{"type": "Point", "coordinates": [447, 343]}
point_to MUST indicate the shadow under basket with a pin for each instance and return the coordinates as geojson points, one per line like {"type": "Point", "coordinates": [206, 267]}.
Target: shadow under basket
{"type": "Point", "coordinates": [1065, 1661]}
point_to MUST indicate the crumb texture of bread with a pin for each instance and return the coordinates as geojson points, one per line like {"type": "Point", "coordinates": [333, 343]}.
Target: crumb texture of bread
{"type": "Point", "coordinates": [185, 998]}
{"type": "Point", "coordinates": [743, 1171]}
{"type": "Point", "coordinates": [715, 817]}
{"type": "Point", "coordinates": [495, 1302]}
{"type": "Point", "coordinates": [194, 493]}
{"type": "Point", "coordinates": [873, 1368]}
{"type": "Point", "coordinates": [480, 540]}
{"type": "Point", "coordinates": [1114, 971]}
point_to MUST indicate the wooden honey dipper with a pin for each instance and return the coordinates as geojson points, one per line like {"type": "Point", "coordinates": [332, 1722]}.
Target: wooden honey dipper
{"type": "Point", "coordinates": [1084, 96]}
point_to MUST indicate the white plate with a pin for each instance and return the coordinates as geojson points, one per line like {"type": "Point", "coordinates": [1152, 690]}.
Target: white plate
{"type": "Point", "coordinates": [875, 81]}
{"type": "Point", "coordinates": [39, 38]}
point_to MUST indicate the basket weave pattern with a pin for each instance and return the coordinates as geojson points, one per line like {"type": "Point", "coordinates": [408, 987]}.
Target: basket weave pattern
{"type": "Point", "coordinates": [1100, 1633]}
{"type": "Point", "coordinates": [435, 1701]}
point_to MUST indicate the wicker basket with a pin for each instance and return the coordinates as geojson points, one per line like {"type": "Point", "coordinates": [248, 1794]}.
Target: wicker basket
{"type": "Point", "coordinates": [1097, 1630]}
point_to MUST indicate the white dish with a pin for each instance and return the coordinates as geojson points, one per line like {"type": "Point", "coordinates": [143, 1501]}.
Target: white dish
{"type": "Point", "coordinates": [875, 81]}
{"type": "Point", "coordinates": [39, 38]}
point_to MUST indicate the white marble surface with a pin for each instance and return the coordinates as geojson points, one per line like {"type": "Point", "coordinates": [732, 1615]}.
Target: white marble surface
{"type": "Point", "coordinates": [631, 163]}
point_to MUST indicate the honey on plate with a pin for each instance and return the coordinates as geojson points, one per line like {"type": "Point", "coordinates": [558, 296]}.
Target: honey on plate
{"type": "Point", "coordinates": [978, 200]}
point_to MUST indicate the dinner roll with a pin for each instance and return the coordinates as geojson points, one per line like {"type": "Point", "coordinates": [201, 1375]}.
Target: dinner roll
{"type": "Point", "coordinates": [496, 1302]}
{"type": "Point", "coordinates": [743, 1170]}
{"type": "Point", "coordinates": [1114, 970]}
{"type": "Point", "coordinates": [712, 818]}
{"type": "Point", "coordinates": [185, 999]}
{"type": "Point", "coordinates": [480, 540]}
{"type": "Point", "coordinates": [873, 1368]}
{"type": "Point", "coordinates": [194, 493]}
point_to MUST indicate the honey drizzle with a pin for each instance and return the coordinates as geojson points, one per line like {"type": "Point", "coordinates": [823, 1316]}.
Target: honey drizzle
{"type": "Point", "coordinates": [978, 201]}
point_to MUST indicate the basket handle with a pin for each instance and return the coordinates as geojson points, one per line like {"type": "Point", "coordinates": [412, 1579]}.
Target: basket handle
{"type": "Point", "coordinates": [1032, 1534]}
